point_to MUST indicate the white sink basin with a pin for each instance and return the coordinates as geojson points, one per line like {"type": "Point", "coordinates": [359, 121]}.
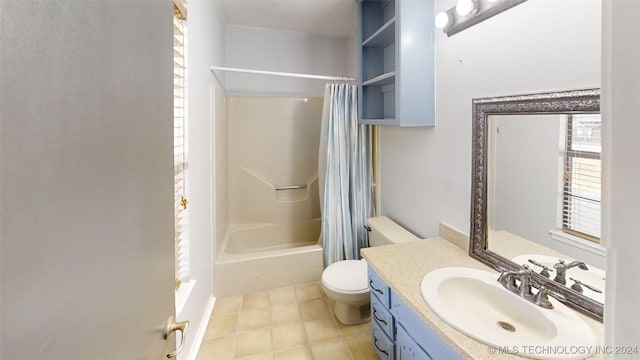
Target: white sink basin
{"type": "Point", "coordinates": [594, 276]}
{"type": "Point", "coordinates": [473, 302]}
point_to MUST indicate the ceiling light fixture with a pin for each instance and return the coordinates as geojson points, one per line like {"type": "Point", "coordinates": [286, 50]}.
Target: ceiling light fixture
{"type": "Point", "coordinates": [466, 7]}
{"type": "Point", "coordinates": [467, 13]}
{"type": "Point", "coordinates": [442, 20]}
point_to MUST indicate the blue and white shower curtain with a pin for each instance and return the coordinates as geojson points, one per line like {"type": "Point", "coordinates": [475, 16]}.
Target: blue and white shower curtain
{"type": "Point", "coordinates": [345, 176]}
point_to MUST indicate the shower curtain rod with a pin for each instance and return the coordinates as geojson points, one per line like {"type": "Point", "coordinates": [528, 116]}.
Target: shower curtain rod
{"type": "Point", "coordinates": [285, 74]}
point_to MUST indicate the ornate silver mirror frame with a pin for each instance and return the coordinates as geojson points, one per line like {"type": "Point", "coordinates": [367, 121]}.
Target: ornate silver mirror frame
{"type": "Point", "coordinates": [564, 102]}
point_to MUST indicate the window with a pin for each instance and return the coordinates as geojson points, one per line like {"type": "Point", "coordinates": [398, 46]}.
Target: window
{"type": "Point", "coordinates": [180, 147]}
{"type": "Point", "coordinates": [582, 176]}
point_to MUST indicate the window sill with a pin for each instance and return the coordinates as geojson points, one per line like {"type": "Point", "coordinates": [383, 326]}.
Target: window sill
{"type": "Point", "coordinates": [578, 242]}
{"type": "Point", "coordinates": [182, 295]}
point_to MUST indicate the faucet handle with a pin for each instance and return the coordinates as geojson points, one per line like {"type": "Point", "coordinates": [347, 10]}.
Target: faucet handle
{"type": "Point", "coordinates": [577, 286]}
{"type": "Point", "coordinates": [542, 298]}
{"type": "Point", "coordinates": [545, 269]}
{"type": "Point", "coordinates": [525, 270]}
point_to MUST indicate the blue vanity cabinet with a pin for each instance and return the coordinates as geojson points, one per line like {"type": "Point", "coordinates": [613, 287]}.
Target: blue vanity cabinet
{"type": "Point", "coordinates": [396, 64]}
{"type": "Point", "coordinates": [397, 333]}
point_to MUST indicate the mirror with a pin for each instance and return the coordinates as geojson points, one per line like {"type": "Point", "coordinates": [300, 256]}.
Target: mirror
{"type": "Point", "coordinates": [534, 200]}
{"type": "Point", "coordinates": [543, 186]}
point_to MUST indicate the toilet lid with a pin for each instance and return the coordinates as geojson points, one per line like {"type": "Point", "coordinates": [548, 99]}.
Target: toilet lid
{"type": "Point", "coordinates": [346, 276]}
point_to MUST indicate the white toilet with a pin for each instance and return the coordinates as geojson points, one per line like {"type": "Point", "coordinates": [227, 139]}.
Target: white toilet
{"type": "Point", "coordinates": [345, 282]}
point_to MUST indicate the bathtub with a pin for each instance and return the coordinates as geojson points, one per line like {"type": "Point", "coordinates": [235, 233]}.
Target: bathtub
{"type": "Point", "coordinates": [266, 256]}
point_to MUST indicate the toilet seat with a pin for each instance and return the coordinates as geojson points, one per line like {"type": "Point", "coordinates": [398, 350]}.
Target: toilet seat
{"type": "Point", "coordinates": [346, 277]}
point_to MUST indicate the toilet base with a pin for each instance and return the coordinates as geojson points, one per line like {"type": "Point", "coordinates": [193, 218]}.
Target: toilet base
{"type": "Point", "coordinates": [352, 314]}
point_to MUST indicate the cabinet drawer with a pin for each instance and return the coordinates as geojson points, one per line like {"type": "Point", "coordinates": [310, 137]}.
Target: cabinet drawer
{"type": "Point", "coordinates": [382, 317]}
{"type": "Point", "coordinates": [381, 343]}
{"type": "Point", "coordinates": [378, 288]}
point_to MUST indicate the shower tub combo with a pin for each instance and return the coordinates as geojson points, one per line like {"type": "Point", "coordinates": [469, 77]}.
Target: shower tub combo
{"type": "Point", "coordinates": [273, 199]}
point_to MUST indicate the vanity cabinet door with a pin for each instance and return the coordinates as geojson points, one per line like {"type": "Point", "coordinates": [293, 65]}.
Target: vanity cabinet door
{"type": "Point", "coordinates": [422, 334]}
{"type": "Point", "coordinates": [407, 349]}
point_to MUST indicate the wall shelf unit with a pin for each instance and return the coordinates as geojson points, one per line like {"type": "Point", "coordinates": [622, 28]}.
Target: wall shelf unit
{"type": "Point", "coordinates": [396, 62]}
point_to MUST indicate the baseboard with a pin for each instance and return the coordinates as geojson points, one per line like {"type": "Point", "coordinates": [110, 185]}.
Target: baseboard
{"type": "Point", "coordinates": [204, 322]}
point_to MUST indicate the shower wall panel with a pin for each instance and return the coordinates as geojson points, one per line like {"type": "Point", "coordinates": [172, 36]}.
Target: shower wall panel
{"type": "Point", "coordinates": [273, 143]}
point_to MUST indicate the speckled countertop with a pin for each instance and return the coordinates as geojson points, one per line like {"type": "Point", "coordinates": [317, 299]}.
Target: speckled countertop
{"type": "Point", "coordinates": [402, 267]}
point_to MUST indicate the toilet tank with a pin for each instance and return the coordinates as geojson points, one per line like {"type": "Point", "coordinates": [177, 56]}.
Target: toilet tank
{"type": "Point", "coordinates": [385, 231]}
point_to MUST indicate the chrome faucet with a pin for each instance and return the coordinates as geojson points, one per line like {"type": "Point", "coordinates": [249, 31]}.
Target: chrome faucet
{"type": "Point", "coordinates": [562, 267]}
{"type": "Point", "coordinates": [509, 279]}
{"type": "Point", "coordinates": [523, 275]}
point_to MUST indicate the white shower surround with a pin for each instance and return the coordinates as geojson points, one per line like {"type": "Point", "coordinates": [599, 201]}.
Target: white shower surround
{"type": "Point", "coordinates": [272, 189]}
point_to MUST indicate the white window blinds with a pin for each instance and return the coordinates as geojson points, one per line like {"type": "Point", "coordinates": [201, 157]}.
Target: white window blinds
{"type": "Point", "coordinates": [582, 176]}
{"type": "Point", "coordinates": [179, 148]}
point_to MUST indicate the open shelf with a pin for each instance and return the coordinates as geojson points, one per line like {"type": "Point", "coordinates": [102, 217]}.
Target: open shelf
{"type": "Point", "coordinates": [384, 121]}
{"type": "Point", "coordinates": [384, 79]}
{"type": "Point", "coordinates": [375, 15]}
{"type": "Point", "coordinates": [383, 37]}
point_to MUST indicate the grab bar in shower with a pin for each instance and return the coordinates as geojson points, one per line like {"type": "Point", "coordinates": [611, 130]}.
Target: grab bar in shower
{"type": "Point", "coordinates": [291, 187]}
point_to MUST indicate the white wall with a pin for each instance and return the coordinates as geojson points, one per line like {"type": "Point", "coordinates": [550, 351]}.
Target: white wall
{"type": "Point", "coordinates": [621, 193]}
{"type": "Point", "coordinates": [285, 51]}
{"type": "Point", "coordinates": [205, 43]}
{"type": "Point", "coordinates": [426, 172]}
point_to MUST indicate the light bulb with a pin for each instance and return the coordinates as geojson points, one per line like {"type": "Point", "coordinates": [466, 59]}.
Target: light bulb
{"type": "Point", "coordinates": [442, 20]}
{"type": "Point", "coordinates": [465, 7]}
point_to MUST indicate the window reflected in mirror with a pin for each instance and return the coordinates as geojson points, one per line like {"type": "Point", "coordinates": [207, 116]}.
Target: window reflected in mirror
{"type": "Point", "coordinates": [581, 210]}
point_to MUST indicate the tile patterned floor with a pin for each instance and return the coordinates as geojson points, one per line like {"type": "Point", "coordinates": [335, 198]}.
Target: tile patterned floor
{"type": "Point", "coordinates": [291, 323]}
